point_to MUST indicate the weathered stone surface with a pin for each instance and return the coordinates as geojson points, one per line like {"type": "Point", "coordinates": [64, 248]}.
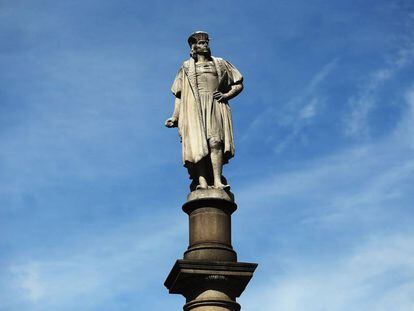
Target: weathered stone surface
{"type": "Point", "coordinates": [210, 194]}
{"type": "Point", "coordinates": [209, 285]}
{"type": "Point", "coordinates": [209, 276]}
{"type": "Point", "coordinates": [210, 198]}
{"type": "Point", "coordinates": [209, 214]}
{"type": "Point", "coordinates": [202, 89]}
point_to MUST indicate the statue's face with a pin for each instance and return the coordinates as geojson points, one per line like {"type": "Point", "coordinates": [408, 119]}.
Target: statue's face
{"type": "Point", "coordinates": [201, 47]}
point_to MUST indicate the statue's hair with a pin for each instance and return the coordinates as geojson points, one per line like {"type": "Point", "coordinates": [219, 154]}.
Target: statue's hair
{"type": "Point", "coordinates": [192, 52]}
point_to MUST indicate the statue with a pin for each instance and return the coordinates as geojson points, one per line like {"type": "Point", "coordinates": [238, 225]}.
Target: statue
{"type": "Point", "coordinates": [202, 88]}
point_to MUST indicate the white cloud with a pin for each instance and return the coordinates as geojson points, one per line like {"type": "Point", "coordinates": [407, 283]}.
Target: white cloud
{"type": "Point", "coordinates": [356, 124]}
{"type": "Point", "coordinates": [292, 110]}
{"type": "Point", "coordinates": [95, 268]}
{"type": "Point", "coordinates": [30, 283]}
{"type": "Point", "coordinates": [296, 113]}
{"type": "Point", "coordinates": [363, 175]}
{"type": "Point", "coordinates": [405, 133]}
{"type": "Point", "coordinates": [362, 104]}
{"type": "Point", "coordinates": [366, 191]}
{"type": "Point", "coordinates": [376, 275]}
{"type": "Point", "coordinates": [309, 110]}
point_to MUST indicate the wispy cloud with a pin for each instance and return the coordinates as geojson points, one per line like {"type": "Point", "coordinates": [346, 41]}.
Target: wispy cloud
{"type": "Point", "coordinates": [405, 131]}
{"type": "Point", "coordinates": [94, 269]}
{"type": "Point", "coordinates": [377, 275]}
{"type": "Point", "coordinates": [365, 191]}
{"type": "Point", "coordinates": [90, 179]}
{"type": "Point", "coordinates": [303, 119]}
{"type": "Point", "coordinates": [297, 114]}
{"type": "Point", "coordinates": [357, 176]}
{"type": "Point", "coordinates": [364, 103]}
{"type": "Point", "coordinates": [294, 115]}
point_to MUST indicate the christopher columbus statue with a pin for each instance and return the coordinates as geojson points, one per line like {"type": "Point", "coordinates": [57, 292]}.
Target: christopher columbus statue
{"type": "Point", "coordinates": [202, 89]}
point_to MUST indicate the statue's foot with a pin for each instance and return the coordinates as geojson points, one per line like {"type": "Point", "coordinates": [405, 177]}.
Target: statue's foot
{"type": "Point", "coordinates": [200, 187]}
{"type": "Point", "coordinates": [222, 187]}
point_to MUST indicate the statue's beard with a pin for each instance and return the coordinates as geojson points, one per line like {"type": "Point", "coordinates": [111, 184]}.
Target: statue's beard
{"type": "Point", "coordinates": [205, 52]}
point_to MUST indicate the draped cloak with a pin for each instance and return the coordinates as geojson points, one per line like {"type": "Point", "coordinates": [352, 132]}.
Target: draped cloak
{"type": "Point", "coordinates": [191, 126]}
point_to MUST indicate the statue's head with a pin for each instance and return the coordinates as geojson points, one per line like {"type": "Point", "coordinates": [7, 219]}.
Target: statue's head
{"type": "Point", "coordinates": [198, 42]}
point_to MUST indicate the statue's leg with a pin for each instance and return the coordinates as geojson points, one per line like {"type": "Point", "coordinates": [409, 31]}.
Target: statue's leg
{"type": "Point", "coordinates": [202, 173]}
{"type": "Point", "coordinates": [216, 155]}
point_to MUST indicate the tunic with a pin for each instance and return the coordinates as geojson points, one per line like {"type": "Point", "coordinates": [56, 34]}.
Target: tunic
{"type": "Point", "coordinates": [200, 117]}
{"type": "Point", "coordinates": [207, 83]}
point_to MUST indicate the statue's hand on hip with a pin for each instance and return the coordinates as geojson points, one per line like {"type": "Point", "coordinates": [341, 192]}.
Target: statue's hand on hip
{"type": "Point", "coordinates": [219, 96]}
{"type": "Point", "coordinates": [171, 122]}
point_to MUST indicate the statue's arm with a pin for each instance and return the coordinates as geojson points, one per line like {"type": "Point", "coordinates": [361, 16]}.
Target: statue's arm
{"type": "Point", "coordinates": [234, 91]}
{"type": "Point", "coordinates": [235, 81]}
{"type": "Point", "coordinates": [173, 121]}
{"type": "Point", "coordinates": [176, 113]}
{"type": "Point", "coordinates": [176, 90]}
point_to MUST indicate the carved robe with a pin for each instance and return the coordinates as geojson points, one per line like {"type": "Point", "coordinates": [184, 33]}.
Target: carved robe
{"type": "Point", "coordinates": [191, 117]}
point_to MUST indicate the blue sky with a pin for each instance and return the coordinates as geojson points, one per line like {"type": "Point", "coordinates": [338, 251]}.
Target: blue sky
{"type": "Point", "coordinates": [91, 182]}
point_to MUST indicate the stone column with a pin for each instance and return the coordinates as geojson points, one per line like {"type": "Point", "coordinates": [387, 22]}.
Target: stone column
{"type": "Point", "coordinates": [209, 276]}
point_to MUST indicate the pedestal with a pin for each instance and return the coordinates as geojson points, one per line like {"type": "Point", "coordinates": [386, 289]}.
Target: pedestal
{"type": "Point", "coordinates": [210, 285]}
{"type": "Point", "coordinates": [209, 276]}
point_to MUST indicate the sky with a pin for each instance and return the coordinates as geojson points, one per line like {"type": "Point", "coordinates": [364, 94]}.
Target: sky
{"type": "Point", "coordinates": [92, 183]}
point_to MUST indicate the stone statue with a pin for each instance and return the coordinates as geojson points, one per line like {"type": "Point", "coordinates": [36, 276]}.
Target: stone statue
{"type": "Point", "coordinates": [202, 88]}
